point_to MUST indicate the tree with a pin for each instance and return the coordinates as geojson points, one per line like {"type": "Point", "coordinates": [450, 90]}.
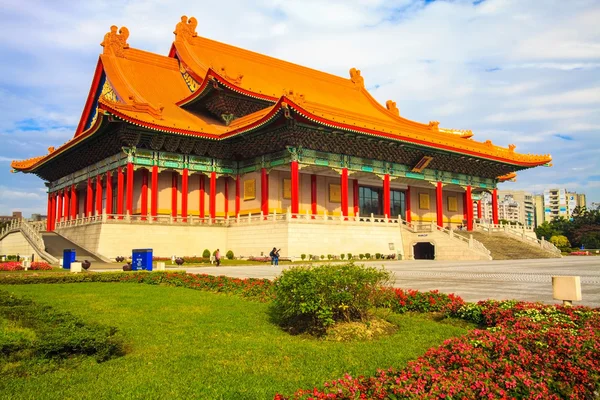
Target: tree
{"type": "Point", "coordinates": [546, 230]}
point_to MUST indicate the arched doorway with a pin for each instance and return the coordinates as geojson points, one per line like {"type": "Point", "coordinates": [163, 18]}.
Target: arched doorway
{"type": "Point", "coordinates": [424, 251]}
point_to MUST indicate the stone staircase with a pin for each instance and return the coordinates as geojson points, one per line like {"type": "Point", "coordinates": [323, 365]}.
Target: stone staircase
{"type": "Point", "coordinates": [505, 247]}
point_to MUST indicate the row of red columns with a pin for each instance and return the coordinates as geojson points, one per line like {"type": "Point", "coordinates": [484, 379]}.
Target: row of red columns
{"type": "Point", "coordinates": [56, 206]}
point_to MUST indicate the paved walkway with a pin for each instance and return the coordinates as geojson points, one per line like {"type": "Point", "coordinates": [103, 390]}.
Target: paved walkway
{"type": "Point", "coordinates": [529, 280]}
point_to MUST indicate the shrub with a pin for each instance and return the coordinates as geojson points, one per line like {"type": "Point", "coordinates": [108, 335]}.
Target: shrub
{"type": "Point", "coordinates": [329, 256]}
{"type": "Point", "coordinates": [302, 256]}
{"type": "Point", "coordinates": [310, 299]}
{"type": "Point", "coordinates": [378, 255]}
{"type": "Point", "coordinates": [206, 253]}
{"type": "Point", "coordinates": [342, 256]}
{"type": "Point", "coordinates": [322, 257]}
{"type": "Point", "coordinates": [229, 255]}
{"type": "Point", "coordinates": [361, 256]}
{"type": "Point", "coordinates": [349, 256]}
{"type": "Point", "coordinates": [368, 256]}
{"type": "Point", "coordinates": [561, 242]}
{"type": "Point", "coordinates": [58, 334]}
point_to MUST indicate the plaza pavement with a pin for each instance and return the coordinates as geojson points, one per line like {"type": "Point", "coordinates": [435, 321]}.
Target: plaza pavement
{"type": "Point", "coordinates": [528, 280]}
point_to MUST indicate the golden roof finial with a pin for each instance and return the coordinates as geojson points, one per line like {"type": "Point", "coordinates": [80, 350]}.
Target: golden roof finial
{"type": "Point", "coordinates": [186, 29]}
{"type": "Point", "coordinates": [434, 125]}
{"type": "Point", "coordinates": [391, 107]}
{"type": "Point", "coordinates": [355, 77]}
{"type": "Point", "coordinates": [115, 43]}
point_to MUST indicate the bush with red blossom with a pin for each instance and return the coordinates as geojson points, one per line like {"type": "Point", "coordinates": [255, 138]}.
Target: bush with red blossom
{"type": "Point", "coordinates": [11, 266]}
{"type": "Point", "coordinates": [529, 350]}
{"type": "Point", "coordinates": [40, 266]}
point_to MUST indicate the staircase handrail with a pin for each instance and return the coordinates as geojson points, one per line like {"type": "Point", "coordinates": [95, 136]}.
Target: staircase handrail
{"type": "Point", "coordinates": [472, 243]}
{"type": "Point", "coordinates": [33, 235]}
{"type": "Point", "coordinates": [520, 235]}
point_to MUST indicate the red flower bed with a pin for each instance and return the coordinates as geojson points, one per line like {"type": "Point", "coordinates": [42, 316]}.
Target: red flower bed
{"type": "Point", "coordinates": [40, 266]}
{"type": "Point", "coordinates": [11, 266]}
{"type": "Point", "coordinates": [529, 350]}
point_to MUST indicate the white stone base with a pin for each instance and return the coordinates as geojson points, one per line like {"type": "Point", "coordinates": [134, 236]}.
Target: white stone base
{"type": "Point", "coordinates": [258, 238]}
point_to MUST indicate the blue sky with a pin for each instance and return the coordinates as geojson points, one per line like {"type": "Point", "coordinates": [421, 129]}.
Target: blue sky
{"type": "Point", "coordinates": [515, 72]}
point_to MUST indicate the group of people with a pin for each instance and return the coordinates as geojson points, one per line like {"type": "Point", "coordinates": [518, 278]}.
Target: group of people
{"type": "Point", "coordinates": [274, 254]}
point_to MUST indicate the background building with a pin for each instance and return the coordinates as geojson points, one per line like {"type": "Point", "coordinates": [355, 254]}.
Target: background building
{"type": "Point", "coordinates": [556, 203]}
{"type": "Point", "coordinates": [513, 205]}
{"type": "Point", "coordinates": [8, 218]}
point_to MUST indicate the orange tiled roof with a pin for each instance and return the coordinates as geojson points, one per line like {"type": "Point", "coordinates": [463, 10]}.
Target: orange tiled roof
{"type": "Point", "coordinates": [146, 88]}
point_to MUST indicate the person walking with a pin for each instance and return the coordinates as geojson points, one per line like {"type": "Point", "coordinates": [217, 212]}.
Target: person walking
{"type": "Point", "coordinates": [218, 257]}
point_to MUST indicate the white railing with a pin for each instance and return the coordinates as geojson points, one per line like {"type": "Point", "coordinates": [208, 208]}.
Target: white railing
{"type": "Point", "coordinates": [520, 233]}
{"type": "Point", "coordinates": [223, 221]}
{"type": "Point", "coordinates": [33, 234]}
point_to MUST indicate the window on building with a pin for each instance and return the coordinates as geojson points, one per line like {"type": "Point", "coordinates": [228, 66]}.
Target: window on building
{"type": "Point", "coordinates": [371, 201]}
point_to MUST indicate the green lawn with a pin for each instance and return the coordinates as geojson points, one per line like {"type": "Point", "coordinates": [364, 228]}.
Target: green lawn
{"type": "Point", "coordinates": [190, 344]}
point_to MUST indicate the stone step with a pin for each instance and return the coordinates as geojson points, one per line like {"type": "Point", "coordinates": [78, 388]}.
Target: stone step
{"type": "Point", "coordinates": [503, 247]}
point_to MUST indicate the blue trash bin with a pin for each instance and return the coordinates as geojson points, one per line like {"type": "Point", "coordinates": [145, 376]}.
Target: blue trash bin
{"type": "Point", "coordinates": [141, 259]}
{"type": "Point", "coordinates": [68, 258]}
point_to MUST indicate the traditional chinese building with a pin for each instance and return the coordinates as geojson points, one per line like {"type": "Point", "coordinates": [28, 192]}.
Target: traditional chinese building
{"type": "Point", "coordinates": [217, 146]}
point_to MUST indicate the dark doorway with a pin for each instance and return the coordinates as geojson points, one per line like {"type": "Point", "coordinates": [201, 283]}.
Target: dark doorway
{"type": "Point", "coordinates": [424, 251]}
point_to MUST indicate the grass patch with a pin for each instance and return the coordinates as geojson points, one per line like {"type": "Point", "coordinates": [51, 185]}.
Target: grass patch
{"type": "Point", "coordinates": [34, 338]}
{"type": "Point", "coordinates": [193, 344]}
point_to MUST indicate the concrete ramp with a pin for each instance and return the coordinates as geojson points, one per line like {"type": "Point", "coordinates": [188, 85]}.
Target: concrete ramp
{"type": "Point", "coordinates": [55, 244]}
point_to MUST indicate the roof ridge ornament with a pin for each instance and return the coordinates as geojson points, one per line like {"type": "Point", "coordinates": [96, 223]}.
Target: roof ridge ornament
{"type": "Point", "coordinates": [115, 43]}
{"type": "Point", "coordinates": [186, 29]}
{"type": "Point", "coordinates": [223, 72]}
{"type": "Point", "coordinates": [391, 107]}
{"type": "Point", "coordinates": [356, 78]}
{"type": "Point", "coordinates": [296, 97]}
{"type": "Point", "coordinates": [434, 125]}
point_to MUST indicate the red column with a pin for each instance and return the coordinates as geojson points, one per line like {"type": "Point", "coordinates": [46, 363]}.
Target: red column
{"type": "Point", "coordinates": [53, 219]}
{"type": "Point", "coordinates": [439, 204]}
{"type": "Point", "coordinates": [73, 202]}
{"type": "Point", "coordinates": [479, 211]}
{"type": "Point", "coordinates": [109, 195]}
{"type": "Point", "coordinates": [60, 206]}
{"type": "Point", "coordinates": [202, 195]}
{"type": "Point", "coordinates": [386, 196]}
{"type": "Point", "coordinates": [49, 213]}
{"type": "Point", "coordinates": [212, 201]}
{"type": "Point", "coordinates": [144, 194]}
{"type": "Point", "coordinates": [237, 195]}
{"type": "Point", "coordinates": [130, 188]}
{"type": "Point", "coordinates": [120, 192]}
{"type": "Point", "coordinates": [264, 191]}
{"type": "Point", "coordinates": [174, 194]}
{"type": "Point", "coordinates": [154, 195]}
{"type": "Point", "coordinates": [295, 178]}
{"type": "Point", "coordinates": [76, 201]}
{"type": "Point", "coordinates": [408, 209]}
{"type": "Point", "coordinates": [184, 194]}
{"type": "Point", "coordinates": [99, 195]}
{"type": "Point", "coordinates": [495, 206]}
{"type": "Point", "coordinates": [355, 197]}
{"type": "Point", "coordinates": [226, 195]}
{"type": "Point", "coordinates": [313, 195]}
{"type": "Point", "coordinates": [344, 191]}
{"type": "Point", "coordinates": [465, 205]}
{"type": "Point", "coordinates": [469, 204]}
{"type": "Point", "coordinates": [66, 205]}
{"type": "Point", "coordinates": [89, 196]}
